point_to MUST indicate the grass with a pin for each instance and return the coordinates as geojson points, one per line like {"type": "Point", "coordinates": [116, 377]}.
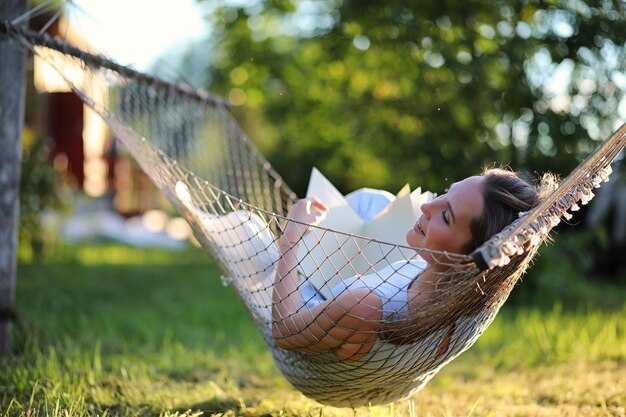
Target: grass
{"type": "Point", "coordinates": [113, 331]}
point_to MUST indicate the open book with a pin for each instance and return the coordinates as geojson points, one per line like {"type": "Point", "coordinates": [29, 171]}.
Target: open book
{"type": "Point", "coordinates": [326, 257]}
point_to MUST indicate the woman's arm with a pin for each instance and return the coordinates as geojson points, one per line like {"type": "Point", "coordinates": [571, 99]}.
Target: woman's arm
{"type": "Point", "coordinates": [347, 324]}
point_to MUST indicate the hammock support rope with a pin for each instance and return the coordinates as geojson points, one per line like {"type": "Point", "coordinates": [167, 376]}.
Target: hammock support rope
{"type": "Point", "coordinates": [191, 147]}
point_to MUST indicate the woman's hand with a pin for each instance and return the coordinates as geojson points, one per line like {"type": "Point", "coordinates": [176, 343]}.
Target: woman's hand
{"type": "Point", "coordinates": [310, 211]}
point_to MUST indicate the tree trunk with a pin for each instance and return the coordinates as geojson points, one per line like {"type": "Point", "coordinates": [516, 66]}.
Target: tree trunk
{"type": "Point", "coordinates": [12, 60]}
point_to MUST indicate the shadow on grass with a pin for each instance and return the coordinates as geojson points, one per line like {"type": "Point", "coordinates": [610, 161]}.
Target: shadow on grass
{"type": "Point", "coordinates": [214, 406]}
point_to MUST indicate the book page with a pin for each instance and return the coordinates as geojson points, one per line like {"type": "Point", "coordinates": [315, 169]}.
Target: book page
{"type": "Point", "coordinates": [391, 224]}
{"type": "Point", "coordinates": [326, 258]}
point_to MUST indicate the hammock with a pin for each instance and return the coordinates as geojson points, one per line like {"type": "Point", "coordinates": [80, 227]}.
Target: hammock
{"type": "Point", "coordinates": [191, 147]}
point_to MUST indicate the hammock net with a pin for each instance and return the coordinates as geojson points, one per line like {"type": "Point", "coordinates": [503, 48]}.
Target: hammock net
{"type": "Point", "coordinates": [192, 148]}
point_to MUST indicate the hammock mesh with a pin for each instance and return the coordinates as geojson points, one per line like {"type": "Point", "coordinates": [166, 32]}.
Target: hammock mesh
{"type": "Point", "coordinates": [191, 147]}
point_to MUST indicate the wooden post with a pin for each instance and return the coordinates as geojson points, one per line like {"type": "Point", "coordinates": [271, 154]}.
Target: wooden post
{"type": "Point", "coordinates": [12, 62]}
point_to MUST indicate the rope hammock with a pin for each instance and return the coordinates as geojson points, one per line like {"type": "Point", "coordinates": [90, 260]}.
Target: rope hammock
{"type": "Point", "coordinates": [191, 147]}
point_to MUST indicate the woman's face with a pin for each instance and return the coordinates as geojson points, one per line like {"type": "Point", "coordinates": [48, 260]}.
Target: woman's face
{"type": "Point", "coordinates": [445, 221]}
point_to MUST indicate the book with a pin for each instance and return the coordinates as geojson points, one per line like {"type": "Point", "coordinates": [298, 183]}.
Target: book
{"type": "Point", "coordinates": [329, 256]}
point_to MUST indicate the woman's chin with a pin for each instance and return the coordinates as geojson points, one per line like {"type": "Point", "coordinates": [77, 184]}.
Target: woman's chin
{"type": "Point", "coordinates": [412, 240]}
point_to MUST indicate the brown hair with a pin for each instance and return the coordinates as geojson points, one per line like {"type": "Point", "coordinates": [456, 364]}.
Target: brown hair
{"type": "Point", "coordinates": [465, 291]}
{"type": "Point", "coordinates": [505, 195]}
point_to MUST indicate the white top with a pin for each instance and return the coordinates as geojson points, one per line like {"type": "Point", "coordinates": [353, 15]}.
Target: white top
{"type": "Point", "coordinates": [391, 284]}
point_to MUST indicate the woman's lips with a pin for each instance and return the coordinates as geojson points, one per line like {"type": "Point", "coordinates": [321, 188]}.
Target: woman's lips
{"type": "Point", "coordinates": [418, 227]}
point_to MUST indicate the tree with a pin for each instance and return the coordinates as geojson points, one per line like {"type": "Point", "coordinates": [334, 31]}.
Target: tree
{"type": "Point", "coordinates": [387, 92]}
{"type": "Point", "coordinates": [11, 122]}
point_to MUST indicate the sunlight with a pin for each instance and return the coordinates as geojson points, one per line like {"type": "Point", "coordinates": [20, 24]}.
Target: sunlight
{"type": "Point", "coordinates": [136, 32]}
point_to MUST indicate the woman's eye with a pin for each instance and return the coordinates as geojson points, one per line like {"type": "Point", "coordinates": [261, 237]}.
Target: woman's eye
{"type": "Point", "coordinates": [444, 215]}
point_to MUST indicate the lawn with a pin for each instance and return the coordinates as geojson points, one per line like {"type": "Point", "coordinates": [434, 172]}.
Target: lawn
{"type": "Point", "coordinates": [115, 331]}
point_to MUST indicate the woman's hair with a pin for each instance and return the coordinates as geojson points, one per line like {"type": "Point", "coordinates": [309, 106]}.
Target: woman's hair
{"type": "Point", "coordinates": [505, 195]}
{"type": "Point", "coordinates": [467, 292]}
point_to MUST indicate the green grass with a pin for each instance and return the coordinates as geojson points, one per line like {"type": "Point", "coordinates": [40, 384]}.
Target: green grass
{"type": "Point", "coordinates": [108, 330]}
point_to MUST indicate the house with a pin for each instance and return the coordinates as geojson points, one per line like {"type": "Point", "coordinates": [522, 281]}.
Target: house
{"type": "Point", "coordinates": [82, 149]}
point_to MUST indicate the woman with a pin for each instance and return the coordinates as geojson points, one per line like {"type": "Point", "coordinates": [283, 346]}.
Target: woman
{"type": "Point", "coordinates": [350, 323]}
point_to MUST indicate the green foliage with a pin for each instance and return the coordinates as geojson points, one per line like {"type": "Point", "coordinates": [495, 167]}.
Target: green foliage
{"type": "Point", "coordinates": [562, 271]}
{"type": "Point", "coordinates": [385, 93]}
{"type": "Point", "coordinates": [38, 192]}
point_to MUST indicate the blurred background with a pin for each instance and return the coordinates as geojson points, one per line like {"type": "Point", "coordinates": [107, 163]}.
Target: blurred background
{"type": "Point", "coordinates": [374, 95]}
{"type": "Point", "coordinates": [120, 313]}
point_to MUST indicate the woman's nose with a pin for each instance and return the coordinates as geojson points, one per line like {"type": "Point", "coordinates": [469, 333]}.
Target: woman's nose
{"type": "Point", "coordinates": [426, 207]}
